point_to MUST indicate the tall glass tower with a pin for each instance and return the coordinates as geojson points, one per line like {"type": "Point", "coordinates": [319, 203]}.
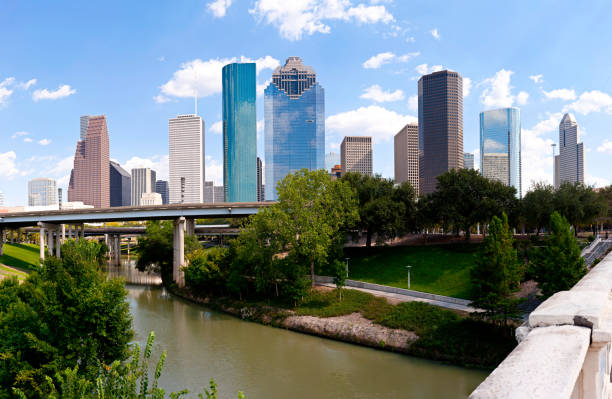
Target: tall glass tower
{"type": "Point", "coordinates": [239, 133]}
{"type": "Point", "coordinates": [294, 112]}
{"type": "Point", "coordinates": [500, 146]}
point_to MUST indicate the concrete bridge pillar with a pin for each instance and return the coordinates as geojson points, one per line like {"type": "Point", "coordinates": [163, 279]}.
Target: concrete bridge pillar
{"type": "Point", "coordinates": [2, 237]}
{"type": "Point", "coordinates": [12, 236]}
{"type": "Point", "coordinates": [117, 243]}
{"type": "Point", "coordinates": [63, 226]}
{"type": "Point", "coordinates": [41, 234]}
{"type": "Point", "coordinates": [50, 240]}
{"type": "Point", "coordinates": [58, 242]}
{"type": "Point", "coordinates": [190, 227]}
{"type": "Point", "coordinates": [179, 252]}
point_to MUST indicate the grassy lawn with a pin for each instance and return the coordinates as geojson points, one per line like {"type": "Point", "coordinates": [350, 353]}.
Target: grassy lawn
{"type": "Point", "coordinates": [438, 269]}
{"type": "Point", "coordinates": [25, 256]}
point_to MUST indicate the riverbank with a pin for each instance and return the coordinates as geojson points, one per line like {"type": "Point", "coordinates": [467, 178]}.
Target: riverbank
{"type": "Point", "coordinates": [412, 328]}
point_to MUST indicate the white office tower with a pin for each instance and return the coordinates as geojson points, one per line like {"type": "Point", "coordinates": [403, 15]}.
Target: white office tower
{"type": "Point", "coordinates": [151, 199]}
{"type": "Point", "coordinates": [143, 181]}
{"type": "Point", "coordinates": [186, 150]}
{"type": "Point", "coordinates": [406, 156]}
{"type": "Point", "coordinates": [569, 164]}
{"type": "Point", "coordinates": [42, 192]}
{"type": "Point", "coordinates": [356, 154]}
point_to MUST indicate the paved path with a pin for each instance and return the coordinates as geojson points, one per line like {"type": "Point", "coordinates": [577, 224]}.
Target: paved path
{"type": "Point", "coordinates": [408, 298]}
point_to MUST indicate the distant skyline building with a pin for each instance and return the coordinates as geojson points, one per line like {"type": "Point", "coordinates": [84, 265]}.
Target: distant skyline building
{"type": "Point", "coordinates": [331, 159]}
{"type": "Point", "coordinates": [406, 155]}
{"type": "Point", "coordinates": [186, 158]}
{"type": "Point", "coordinates": [500, 146]}
{"type": "Point", "coordinates": [356, 154]}
{"type": "Point", "coordinates": [569, 164]}
{"type": "Point", "coordinates": [239, 132]}
{"type": "Point", "coordinates": [84, 121]}
{"type": "Point", "coordinates": [147, 199]}
{"type": "Point", "coordinates": [336, 172]}
{"type": "Point", "coordinates": [218, 194]}
{"type": "Point", "coordinates": [42, 191]}
{"type": "Point", "coordinates": [143, 181]}
{"type": "Point", "coordinates": [120, 186]}
{"type": "Point", "coordinates": [209, 192]}
{"type": "Point", "coordinates": [90, 176]}
{"type": "Point", "coordinates": [162, 188]}
{"type": "Point", "coordinates": [294, 114]}
{"type": "Point", "coordinates": [440, 96]}
{"type": "Point", "coordinates": [260, 187]}
{"type": "Point", "coordinates": [468, 160]}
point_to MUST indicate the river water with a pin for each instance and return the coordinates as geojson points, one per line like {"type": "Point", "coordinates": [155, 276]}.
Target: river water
{"type": "Point", "coordinates": [272, 363]}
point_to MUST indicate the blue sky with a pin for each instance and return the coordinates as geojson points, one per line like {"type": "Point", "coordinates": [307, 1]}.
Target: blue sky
{"type": "Point", "coordinates": [141, 63]}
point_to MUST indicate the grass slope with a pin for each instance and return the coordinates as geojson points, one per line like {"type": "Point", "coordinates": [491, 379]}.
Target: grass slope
{"type": "Point", "coordinates": [25, 256]}
{"type": "Point", "coordinates": [438, 269]}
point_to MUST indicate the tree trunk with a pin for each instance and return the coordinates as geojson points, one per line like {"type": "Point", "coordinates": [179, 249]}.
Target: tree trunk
{"type": "Point", "coordinates": [312, 276]}
{"type": "Point", "coordinates": [368, 238]}
{"type": "Point", "coordinates": [467, 233]}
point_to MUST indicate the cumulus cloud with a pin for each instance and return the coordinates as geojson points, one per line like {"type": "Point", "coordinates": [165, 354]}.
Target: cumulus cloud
{"type": "Point", "coordinates": [8, 86]}
{"type": "Point", "coordinates": [467, 86]}
{"type": "Point", "coordinates": [413, 103]}
{"type": "Point", "coordinates": [214, 171]}
{"type": "Point", "coordinates": [160, 99]}
{"type": "Point", "coordinates": [605, 147]}
{"type": "Point", "coordinates": [561, 94]}
{"type": "Point", "coordinates": [380, 123]}
{"type": "Point", "coordinates": [28, 84]}
{"type": "Point", "coordinates": [61, 92]}
{"type": "Point", "coordinates": [434, 32]}
{"type": "Point", "coordinates": [7, 164]}
{"type": "Point", "coordinates": [44, 142]}
{"type": "Point", "coordinates": [217, 127]}
{"type": "Point", "coordinates": [592, 101]}
{"type": "Point", "coordinates": [27, 140]}
{"type": "Point", "coordinates": [377, 94]}
{"type": "Point", "coordinates": [424, 69]}
{"type": "Point", "coordinates": [498, 91]}
{"type": "Point", "coordinates": [297, 18]}
{"type": "Point", "coordinates": [61, 168]}
{"type": "Point", "coordinates": [218, 8]}
{"type": "Point", "coordinates": [19, 134]}
{"type": "Point", "coordinates": [380, 59]}
{"type": "Point", "coordinates": [597, 181]}
{"type": "Point", "coordinates": [158, 163]}
{"type": "Point", "coordinates": [536, 78]}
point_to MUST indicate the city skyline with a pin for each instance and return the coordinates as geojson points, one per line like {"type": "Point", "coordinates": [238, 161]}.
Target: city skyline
{"type": "Point", "coordinates": [380, 60]}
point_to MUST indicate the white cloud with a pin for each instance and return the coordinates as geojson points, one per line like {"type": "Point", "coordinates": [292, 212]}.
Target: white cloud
{"type": "Point", "coordinates": [467, 86]}
{"type": "Point", "coordinates": [203, 78]}
{"type": "Point", "coordinates": [536, 78]}
{"type": "Point", "coordinates": [216, 128]}
{"type": "Point", "coordinates": [562, 94]}
{"type": "Point", "coordinates": [424, 69]}
{"type": "Point", "coordinates": [297, 18]}
{"type": "Point", "coordinates": [605, 147]}
{"type": "Point", "coordinates": [260, 128]}
{"type": "Point", "coordinates": [7, 164]}
{"type": "Point", "coordinates": [498, 91]}
{"type": "Point", "coordinates": [380, 123]}
{"type": "Point", "coordinates": [261, 87]}
{"type": "Point", "coordinates": [160, 99]}
{"type": "Point", "coordinates": [158, 163]}
{"type": "Point", "coordinates": [536, 159]}
{"type": "Point", "coordinates": [548, 125]}
{"type": "Point", "coordinates": [413, 103]}
{"type": "Point", "coordinates": [408, 56]}
{"type": "Point", "coordinates": [61, 92]}
{"type": "Point", "coordinates": [597, 181]}
{"type": "Point", "coordinates": [219, 7]}
{"type": "Point", "coordinates": [19, 134]}
{"type": "Point", "coordinates": [27, 84]}
{"type": "Point", "coordinates": [435, 33]}
{"type": "Point", "coordinates": [380, 59]}
{"type": "Point", "coordinates": [5, 92]}
{"type": "Point", "coordinates": [214, 171]}
{"type": "Point", "coordinates": [377, 94]}
{"type": "Point", "coordinates": [410, 39]}
{"type": "Point", "coordinates": [44, 142]}
{"type": "Point", "coordinates": [62, 167]}
{"type": "Point", "coordinates": [592, 101]}
{"type": "Point", "coordinates": [27, 140]}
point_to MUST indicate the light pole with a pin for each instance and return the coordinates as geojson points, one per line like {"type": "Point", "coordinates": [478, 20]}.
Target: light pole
{"type": "Point", "coordinates": [408, 267]}
{"type": "Point", "coordinates": [347, 259]}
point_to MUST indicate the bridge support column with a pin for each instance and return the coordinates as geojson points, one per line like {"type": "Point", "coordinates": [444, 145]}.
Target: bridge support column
{"type": "Point", "coordinates": [2, 242]}
{"type": "Point", "coordinates": [63, 226]}
{"type": "Point", "coordinates": [41, 234]}
{"type": "Point", "coordinates": [179, 252]}
{"type": "Point", "coordinates": [70, 232]}
{"type": "Point", "coordinates": [12, 236]}
{"type": "Point", "coordinates": [82, 231]}
{"type": "Point", "coordinates": [190, 227]}
{"type": "Point", "coordinates": [50, 241]}
{"type": "Point", "coordinates": [118, 250]}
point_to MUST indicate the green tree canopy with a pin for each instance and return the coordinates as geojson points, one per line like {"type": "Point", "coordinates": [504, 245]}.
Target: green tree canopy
{"type": "Point", "coordinates": [578, 204]}
{"type": "Point", "coordinates": [538, 205]}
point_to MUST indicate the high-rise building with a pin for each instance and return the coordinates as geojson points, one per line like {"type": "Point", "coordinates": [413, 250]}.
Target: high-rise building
{"type": "Point", "coordinates": [294, 114]}
{"type": "Point", "coordinates": [150, 199]}
{"type": "Point", "coordinates": [500, 146]}
{"type": "Point", "coordinates": [186, 153]}
{"type": "Point", "coordinates": [239, 133]}
{"type": "Point", "coordinates": [331, 159]}
{"type": "Point", "coordinates": [468, 160]}
{"type": "Point", "coordinates": [218, 194]}
{"type": "Point", "coordinates": [42, 192]}
{"type": "Point", "coordinates": [120, 186]}
{"type": "Point", "coordinates": [260, 187]}
{"type": "Point", "coordinates": [209, 192]}
{"type": "Point", "coordinates": [143, 181]}
{"type": "Point", "coordinates": [569, 164]}
{"type": "Point", "coordinates": [161, 187]}
{"type": "Point", "coordinates": [440, 126]}
{"type": "Point", "coordinates": [90, 177]}
{"type": "Point", "coordinates": [84, 122]}
{"type": "Point", "coordinates": [356, 154]}
{"type": "Point", "coordinates": [406, 156]}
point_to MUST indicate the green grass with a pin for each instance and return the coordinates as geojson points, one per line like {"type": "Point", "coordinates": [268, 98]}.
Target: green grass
{"type": "Point", "coordinates": [437, 269]}
{"type": "Point", "coordinates": [25, 256]}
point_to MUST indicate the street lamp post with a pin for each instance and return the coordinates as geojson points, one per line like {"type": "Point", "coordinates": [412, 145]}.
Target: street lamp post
{"type": "Point", "coordinates": [347, 259]}
{"type": "Point", "coordinates": [408, 267]}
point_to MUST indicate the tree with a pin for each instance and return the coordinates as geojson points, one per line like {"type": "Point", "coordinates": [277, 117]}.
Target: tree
{"type": "Point", "coordinates": [537, 206]}
{"type": "Point", "coordinates": [578, 203]}
{"type": "Point", "coordinates": [497, 272]}
{"type": "Point", "coordinates": [558, 265]}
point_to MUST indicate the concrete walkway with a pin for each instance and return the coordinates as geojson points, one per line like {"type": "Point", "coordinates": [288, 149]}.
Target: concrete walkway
{"type": "Point", "coordinates": [408, 298]}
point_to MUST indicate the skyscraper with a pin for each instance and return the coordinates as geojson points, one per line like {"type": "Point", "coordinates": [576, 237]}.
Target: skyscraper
{"type": "Point", "coordinates": [186, 153]}
{"type": "Point", "coordinates": [209, 192]}
{"type": "Point", "coordinates": [143, 181]}
{"type": "Point", "coordinates": [42, 192]}
{"type": "Point", "coordinates": [406, 155]}
{"type": "Point", "coordinates": [356, 154]}
{"type": "Point", "coordinates": [294, 113]}
{"type": "Point", "coordinates": [218, 194]}
{"type": "Point", "coordinates": [500, 146]}
{"type": "Point", "coordinates": [468, 160]}
{"type": "Point", "coordinates": [90, 177]}
{"type": "Point", "coordinates": [161, 187]}
{"type": "Point", "coordinates": [120, 186]}
{"type": "Point", "coordinates": [331, 159]}
{"type": "Point", "coordinates": [84, 122]}
{"type": "Point", "coordinates": [260, 188]}
{"type": "Point", "coordinates": [440, 126]}
{"type": "Point", "coordinates": [569, 164]}
{"type": "Point", "coordinates": [239, 133]}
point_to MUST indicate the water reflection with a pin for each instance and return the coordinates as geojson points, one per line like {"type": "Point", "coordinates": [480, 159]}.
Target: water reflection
{"type": "Point", "coordinates": [132, 276]}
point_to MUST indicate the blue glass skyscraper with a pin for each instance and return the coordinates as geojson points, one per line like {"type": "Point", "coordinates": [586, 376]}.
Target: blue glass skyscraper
{"type": "Point", "coordinates": [239, 133]}
{"type": "Point", "coordinates": [500, 146]}
{"type": "Point", "coordinates": [294, 112]}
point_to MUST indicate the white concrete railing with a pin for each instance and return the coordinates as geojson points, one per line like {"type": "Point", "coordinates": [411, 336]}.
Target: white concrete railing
{"type": "Point", "coordinates": [564, 348]}
{"type": "Point", "coordinates": [589, 248]}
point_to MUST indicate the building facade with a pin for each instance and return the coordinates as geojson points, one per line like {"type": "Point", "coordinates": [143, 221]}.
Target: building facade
{"type": "Point", "coordinates": [162, 188]}
{"type": "Point", "coordinates": [468, 160]}
{"type": "Point", "coordinates": [90, 177]}
{"type": "Point", "coordinates": [331, 159]}
{"type": "Point", "coordinates": [218, 194]}
{"type": "Point", "coordinates": [294, 113]}
{"type": "Point", "coordinates": [120, 186]}
{"type": "Point", "coordinates": [356, 154]}
{"type": "Point", "coordinates": [260, 186]}
{"type": "Point", "coordinates": [569, 164]}
{"type": "Point", "coordinates": [500, 146]}
{"type": "Point", "coordinates": [406, 156]}
{"type": "Point", "coordinates": [209, 192]}
{"type": "Point", "coordinates": [147, 199]}
{"type": "Point", "coordinates": [440, 97]}
{"type": "Point", "coordinates": [239, 132]}
{"type": "Point", "coordinates": [186, 159]}
{"type": "Point", "coordinates": [143, 181]}
{"type": "Point", "coordinates": [42, 192]}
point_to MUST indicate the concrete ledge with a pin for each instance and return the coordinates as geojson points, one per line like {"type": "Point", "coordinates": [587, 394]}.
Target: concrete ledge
{"type": "Point", "coordinates": [545, 365]}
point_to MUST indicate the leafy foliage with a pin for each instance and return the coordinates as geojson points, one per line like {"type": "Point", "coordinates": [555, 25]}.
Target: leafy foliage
{"type": "Point", "coordinates": [578, 203]}
{"type": "Point", "coordinates": [537, 205]}
{"type": "Point", "coordinates": [207, 269]}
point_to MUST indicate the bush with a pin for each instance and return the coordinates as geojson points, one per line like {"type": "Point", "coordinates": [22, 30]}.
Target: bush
{"type": "Point", "coordinates": [591, 238]}
{"type": "Point", "coordinates": [207, 270]}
